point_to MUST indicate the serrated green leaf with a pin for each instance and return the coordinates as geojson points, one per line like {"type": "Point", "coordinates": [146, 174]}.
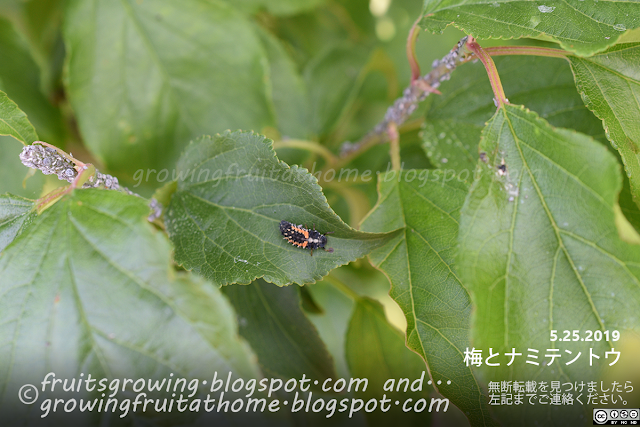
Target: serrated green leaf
{"type": "Point", "coordinates": [419, 264]}
{"type": "Point", "coordinates": [145, 77]}
{"type": "Point", "coordinates": [539, 251]}
{"type": "Point", "coordinates": [285, 341]}
{"type": "Point", "coordinates": [15, 214]}
{"type": "Point", "coordinates": [14, 122]}
{"type": "Point", "coordinates": [224, 218]}
{"type": "Point", "coordinates": [89, 288]}
{"type": "Point", "coordinates": [376, 351]}
{"type": "Point", "coordinates": [610, 87]}
{"type": "Point", "coordinates": [455, 119]}
{"type": "Point", "coordinates": [583, 27]}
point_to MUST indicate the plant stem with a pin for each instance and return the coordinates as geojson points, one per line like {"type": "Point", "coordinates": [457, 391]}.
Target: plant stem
{"type": "Point", "coordinates": [307, 145]}
{"type": "Point", "coordinates": [467, 49]}
{"type": "Point", "coordinates": [372, 139]}
{"type": "Point", "coordinates": [417, 91]}
{"type": "Point", "coordinates": [492, 71]}
{"type": "Point", "coordinates": [526, 50]}
{"type": "Point", "coordinates": [394, 137]}
{"type": "Point", "coordinates": [411, 51]}
{"type": "Point", "coordinates": [337, 283]}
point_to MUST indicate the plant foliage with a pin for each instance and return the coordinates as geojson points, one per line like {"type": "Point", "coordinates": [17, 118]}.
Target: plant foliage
{"type": "Point", "coordinates": [458, 221]}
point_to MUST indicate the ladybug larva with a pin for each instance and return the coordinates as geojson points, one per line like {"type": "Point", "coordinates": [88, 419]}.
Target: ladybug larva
{"type": "Point", "coordinates": [304, 238]}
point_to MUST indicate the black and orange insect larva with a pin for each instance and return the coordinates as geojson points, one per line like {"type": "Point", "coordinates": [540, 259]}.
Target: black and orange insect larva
{"type": "Point", "coordinates": [302, 237]}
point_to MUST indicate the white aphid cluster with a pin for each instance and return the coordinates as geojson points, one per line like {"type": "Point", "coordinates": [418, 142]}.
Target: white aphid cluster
{"type": "Point", "coordinates": [50, 162]}
{"type": "Point", "coordinates": [402, 108]}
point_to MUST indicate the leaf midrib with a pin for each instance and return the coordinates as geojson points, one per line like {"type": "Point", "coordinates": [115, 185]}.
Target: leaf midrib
{"type": "Point", "coordinates": [418, 319]}
{"type": "Point", "coordinates": [555, 227]}
{"type": "Point", "coordinates": [22, 138]}
{"type": "Point", "coordinates": [152, 291]}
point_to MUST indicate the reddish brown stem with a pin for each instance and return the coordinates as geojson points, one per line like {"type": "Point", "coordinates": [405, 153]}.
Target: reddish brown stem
{"type": "Point", "coordinates": [492, 71]}
{"type": "Point", "coordinates": [411, 51]}
{"type": "Point", "coordinates": [413, 60]}
{"type": "Point", "coordinates": [394, 138]}
{"type": "Point", "coordinates": [526, 50]}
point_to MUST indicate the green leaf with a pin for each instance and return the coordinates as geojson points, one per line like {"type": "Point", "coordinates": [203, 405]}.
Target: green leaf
{"type": "Point", "coordinates": [146, 77]}
{"type": "Point", "coordinates": [285, 341]}
{"type": "Point", "coordinates": [628, 207]}
{"type": "Point", "coordinates": [14, 122]}
{"type": "Point", "coordinates": [15, 215]}
{"type": "Point", "coordinates": [287, 90]}
{"type": "Point", "coordinates": [20, 79]}
{"type": "Point", "coordinates": [419, 264]}
{"type": "Point", "coordinates": [333, 323]}
{"type": "Point", "coordinates": [308, 303]}
{"type": "Point", "coordinates": [610, 87]}
{"type": "Point", "coordinates": [224, 218]}
{"type": "Point", "coordinates": [455, 119]}
{"type": "Point", "coordinates": [311, 35]}
{"type": "Point", "coordinates": [539, 251]}
{"type": "Point", "coordinates": [334, 78]}
{"type": "Point", "coordinates": [13, 173]}
{"type": "Point", "coordinates": [39, 21]}
{"type": "Point", "coordinates": [42, 21]}
{"type": "Point", "coordinates": [630, 36]}
{"type": "Point", "coordinates": [376, 351]}
{"type": "Point", "coordinates": [626, 229]}
{"type": "Point", "coordinates": [88, 288]}
{"type": "Point", "coordinates": [583, 27]}
{"type": "Point", "coordinates": [276, 7]}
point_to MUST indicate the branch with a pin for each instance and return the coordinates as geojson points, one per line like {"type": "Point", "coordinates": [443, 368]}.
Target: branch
{"type": "Point", "coordinates": [419, 89]}
{"type": "Point", "coordinates": [306, 145]}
